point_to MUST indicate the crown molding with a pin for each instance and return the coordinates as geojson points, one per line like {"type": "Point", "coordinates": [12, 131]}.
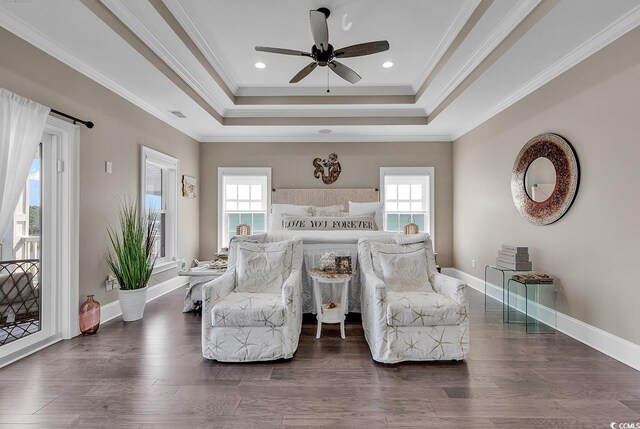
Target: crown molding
{"type": "Point", "coordinates": [324, 113]}
{"type": "Point", "coordinates": [179, 12]}
{"type": "Point", "coordinates": [356, 91]}
{"type": "Point", "coordinates": [125, 14]}
{"type": "Point", "coordinates": [609, 34]}
{"type": "Point", "coordinates": [45, 44]}
{"type": "Point", "coordinates": [328, 138]}
{"type": "Point", "coordinates": [515, 16]}
{"type": "Point", "coordinates": [460, 19]}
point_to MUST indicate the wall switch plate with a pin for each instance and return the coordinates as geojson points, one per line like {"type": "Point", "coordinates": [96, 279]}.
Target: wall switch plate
{"type": "Point", "coordinates": [108, 167]}
{"type": "Point", "coordinates": [111, 283]}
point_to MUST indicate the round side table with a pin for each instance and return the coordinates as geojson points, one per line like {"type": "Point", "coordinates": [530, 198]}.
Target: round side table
{"type": "Point", "coordinates": [330, 312]}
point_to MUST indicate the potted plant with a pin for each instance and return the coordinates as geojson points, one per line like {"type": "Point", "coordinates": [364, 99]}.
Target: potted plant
{"type": "Point", "coordinates": [132, 258]}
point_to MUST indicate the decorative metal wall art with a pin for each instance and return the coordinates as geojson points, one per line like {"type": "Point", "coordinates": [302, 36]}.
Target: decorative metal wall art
{"type": "Point", "coordinates": [561, 154]}
{"type": "Point", "coordinates": [328, 169]}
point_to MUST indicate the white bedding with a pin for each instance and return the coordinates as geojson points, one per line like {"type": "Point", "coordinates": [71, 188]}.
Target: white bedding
{"type": "Point", "coordinates": [316, 243]}
{"type": "Point", "coordinates": [331, 236]}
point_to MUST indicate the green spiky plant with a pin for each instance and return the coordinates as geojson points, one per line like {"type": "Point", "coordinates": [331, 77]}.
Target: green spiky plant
{"type": "Point", "coordinates": [131, 258]}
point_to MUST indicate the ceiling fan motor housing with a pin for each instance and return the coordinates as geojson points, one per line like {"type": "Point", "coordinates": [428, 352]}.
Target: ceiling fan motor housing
{"type": "Point", "coordinates": [322, 57]}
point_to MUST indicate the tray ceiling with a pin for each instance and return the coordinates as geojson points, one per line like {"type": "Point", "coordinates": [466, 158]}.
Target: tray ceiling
{"type": "Point", "coordinates": [456, 62]}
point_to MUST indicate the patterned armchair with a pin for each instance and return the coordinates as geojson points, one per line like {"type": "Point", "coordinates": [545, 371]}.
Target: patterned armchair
{"type": "Point", "coordinates": [409, 310]}
{"type": "Point", "coordinates": [253, 312]}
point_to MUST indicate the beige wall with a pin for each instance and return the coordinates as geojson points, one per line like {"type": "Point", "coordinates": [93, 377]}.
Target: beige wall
{"type": "Point", "coordinates": [593, 250]}
{"type": "Point", "coordinates": [120, 129]}
{"type": "Point", "coordinates": [292, 167]}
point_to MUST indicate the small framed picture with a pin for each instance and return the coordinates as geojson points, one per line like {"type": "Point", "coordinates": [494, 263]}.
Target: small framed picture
{"type": "Point", "coordinates": [343, 264]}
{"type": "Point", "coordinates": [189, 186]}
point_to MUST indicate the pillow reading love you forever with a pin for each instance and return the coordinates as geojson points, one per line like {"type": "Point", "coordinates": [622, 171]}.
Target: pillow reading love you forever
{"type": "Point", "coordinates": [329, 223]}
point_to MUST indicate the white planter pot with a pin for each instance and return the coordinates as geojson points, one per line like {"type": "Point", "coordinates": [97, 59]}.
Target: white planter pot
{"type": "Point", "coordinates": [132, 303]}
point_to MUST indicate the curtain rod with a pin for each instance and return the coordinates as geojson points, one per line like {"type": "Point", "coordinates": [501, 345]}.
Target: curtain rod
{"type": "Point", "coordinates": [87, 124]}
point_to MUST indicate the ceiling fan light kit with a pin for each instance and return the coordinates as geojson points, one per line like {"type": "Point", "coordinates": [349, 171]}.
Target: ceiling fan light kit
{"type": "Point", "coordinates": [323, 53]}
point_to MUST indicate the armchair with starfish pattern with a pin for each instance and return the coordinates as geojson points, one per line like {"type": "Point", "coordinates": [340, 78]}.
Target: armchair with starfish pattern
{"type": "Point", "coordinates": [253, 312]}
{"type": "Point", "coordinates": [410, 312]}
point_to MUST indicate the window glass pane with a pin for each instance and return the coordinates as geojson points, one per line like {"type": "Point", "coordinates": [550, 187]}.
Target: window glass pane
{"type": "Point", "coordinates": [392, 222]}
{"type": "Point", "coordinates": [153, 187]}
{"type": "Point", "coordinates": [392, 206]}
{"type": "Point", "coordinates": [232, 205]}
{"type": "Point", "coordinates": [404, 206]}
{"type": "Point", "coordinates": [416, 191]}
{"type": "Point", "coordinates": [234, 219]}
{"type": "Point", "coordinates": [244, 192]}
{"type": "Point", "coordinates": [419, 220]}
{"type": "Point", "coordinates": [256, 205]}
{"type": "Point", "coordinates": [392, 192]}
{"type": "Point", "coordinates": [244, 205]}
{"type": "Point", "coordinates": [259, 224]}
{"type": "Point", "coordinates": [404, 219]}
{"type": "Point", "coordinates": [232, 192]}
{"type": "Point", "coordinates": [246, 218]}
{"type": "Point", "coordinates": [404, 192]}
{"type": "Point", "coordinates": [416, 206]}
{"type": "Point", "coordinates": [256, 192]}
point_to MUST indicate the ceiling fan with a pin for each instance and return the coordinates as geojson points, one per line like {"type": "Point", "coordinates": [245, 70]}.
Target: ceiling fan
{"type": "Point", "coordinates": [322, 52]}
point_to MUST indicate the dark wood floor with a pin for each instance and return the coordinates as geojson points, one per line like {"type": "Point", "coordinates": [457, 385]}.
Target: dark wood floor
{"type": "Point", "coordinates": [150, 374]}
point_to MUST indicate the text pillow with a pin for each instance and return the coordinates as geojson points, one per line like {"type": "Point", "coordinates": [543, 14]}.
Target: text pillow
{"type": "Point", "coordinates": [406, 271]}
{"type": "Point", "coordinates": [330, 223]}
{"type": "Point", "coordinates": [259, 267]}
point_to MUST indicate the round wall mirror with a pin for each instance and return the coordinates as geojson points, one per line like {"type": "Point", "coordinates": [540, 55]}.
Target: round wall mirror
{"type": "Point", "coordinates": [545, 178]}
{"type": "Point", "coordinates": [540, 179]}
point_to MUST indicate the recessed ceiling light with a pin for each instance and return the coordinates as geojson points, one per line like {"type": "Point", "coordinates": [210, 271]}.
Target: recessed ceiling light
{"type": "Point", "coordinates": [324, 131]}
{"type": "Point", "coordinates": [260, 65]}
{"type": "Point", "coordinates": [387, 64]}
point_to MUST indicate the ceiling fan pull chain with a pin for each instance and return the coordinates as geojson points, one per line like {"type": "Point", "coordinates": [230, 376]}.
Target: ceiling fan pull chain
{"type": "Point", "coordinates": [328, 80]}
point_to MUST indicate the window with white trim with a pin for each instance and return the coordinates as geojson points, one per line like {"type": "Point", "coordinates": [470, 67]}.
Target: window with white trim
{"type": "Point", "coordinates": [244, 197]}
{"type": "Point", "coordinates": [407, 193]}
{"type": "Point", "coordinates": [159, 189]}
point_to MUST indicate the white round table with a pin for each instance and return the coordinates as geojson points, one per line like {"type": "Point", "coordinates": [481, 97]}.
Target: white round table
{"type": "Point", "coordinates": [330, 312]}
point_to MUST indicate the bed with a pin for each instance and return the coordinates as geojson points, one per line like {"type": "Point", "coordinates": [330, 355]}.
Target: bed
{"type": "Point", "coordinates": [317, 242]}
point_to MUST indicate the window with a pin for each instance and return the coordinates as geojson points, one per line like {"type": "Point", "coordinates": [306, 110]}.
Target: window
{"type": "Point", "coordinates": [407, 193]}
{"type": "Point", "coordinates": [244, 196]}
{"type": "Point", "coordinates": [159, 188]}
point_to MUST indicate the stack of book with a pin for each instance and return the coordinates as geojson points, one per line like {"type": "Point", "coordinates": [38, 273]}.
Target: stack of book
{"type": "Point", "coordinates": [514, 258]}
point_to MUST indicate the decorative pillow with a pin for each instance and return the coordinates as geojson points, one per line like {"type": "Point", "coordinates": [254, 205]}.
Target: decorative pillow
{"type": "Point", "coordinates": [358, 209]}
{"type": "Point", "coordinates": [260, 266]}
{"type": "Point", "coordinates": [328, 223]}
{"type": "Point", "coordinates": [406, 271]}
{"type": "Point", "coordinates": [379, 249]}
{"type": "Point", "coordinates": [328, 211]}
{"type": "Point", "coordinates": [277, 210]}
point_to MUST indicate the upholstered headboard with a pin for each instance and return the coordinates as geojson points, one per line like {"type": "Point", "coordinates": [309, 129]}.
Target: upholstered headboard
{"type": "Point", "coordinates": [323, 197]}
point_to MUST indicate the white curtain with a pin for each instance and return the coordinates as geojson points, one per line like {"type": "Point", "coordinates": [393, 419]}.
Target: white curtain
{"type": "Point", "coordinates": [22, 122]}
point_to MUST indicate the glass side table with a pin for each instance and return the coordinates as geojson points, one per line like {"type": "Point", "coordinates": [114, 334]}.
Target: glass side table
{"type": "Point", "coordinates": [536, 309]}
{"type": "Point", "coordinates": [506, 275]}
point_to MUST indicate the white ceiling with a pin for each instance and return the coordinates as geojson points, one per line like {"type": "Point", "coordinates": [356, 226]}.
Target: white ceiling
{"type": "Point", "coordinates": [477, 78]}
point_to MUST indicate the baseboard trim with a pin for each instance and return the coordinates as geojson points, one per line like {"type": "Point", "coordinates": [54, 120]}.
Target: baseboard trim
{"type": "Point", "coordinates": [112, 310]}
{"type": "Point", "coordinates": [618, 348]}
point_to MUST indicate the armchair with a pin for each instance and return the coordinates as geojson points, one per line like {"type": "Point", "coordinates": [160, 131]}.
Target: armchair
{"type": "Point", "coordinates": [409, 310]}
{"type": "Point", "coordinates": [253, 312]}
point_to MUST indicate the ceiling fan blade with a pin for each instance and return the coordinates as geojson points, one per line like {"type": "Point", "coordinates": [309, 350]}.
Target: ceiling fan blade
{"type": "Point", "coordinates": [303, 73]}
{"type": "Point", "coordinates": [362, 49]}
{"type": "Point", "coordinates": [344, 72]}
{"type": "Point", "coordinates": [282, 51]}
{"type": "Point", "coordinates": [319, 29]}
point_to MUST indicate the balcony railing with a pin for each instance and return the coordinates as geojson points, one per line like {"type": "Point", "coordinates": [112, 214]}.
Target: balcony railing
{"type": "Point", "coordinates": [19, 299]}
{"type": "Point", "coordinates": [28, 247]}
